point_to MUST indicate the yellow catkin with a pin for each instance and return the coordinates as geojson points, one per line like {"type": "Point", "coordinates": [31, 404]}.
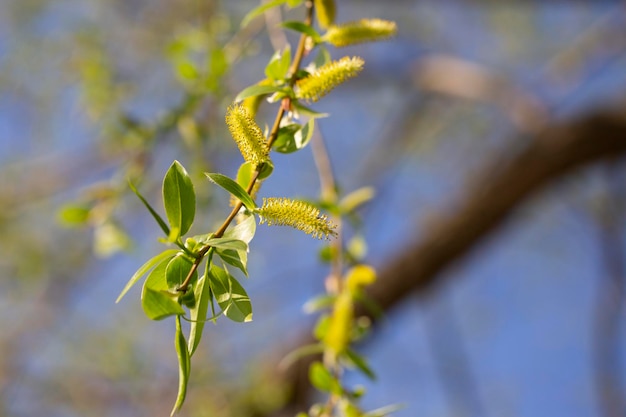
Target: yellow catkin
{"type": "Point", "coordinates": [339, 330]}
{"type": "Point", "coordinates": [364, 30]}
{"type": "Point", "coordinates": [296, 214]}
{"type": "Point", "coordinates": [325, 11]}
{"type": "Point", "coordinates": [247, 135]}
{"type": "Point", "coordinates": [327, 77]}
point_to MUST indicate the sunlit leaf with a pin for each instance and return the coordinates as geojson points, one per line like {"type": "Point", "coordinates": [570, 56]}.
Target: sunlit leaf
{"type": "Point", "coordinates": [158, 305]}
{"type": "Point", "coordinates": [244, 231]}
{"type": "Point", "coordinates": [318, 303]}
{"type": "Point", "coordinates": [73, 215]}
{"type": "Point", "coordinates": [177, 270]}
{"type": "Point", "coordinates": [198, 314]}
{"type": "Point", "coordinates": [232, 187]}
{"type": "Point", "coordinates": [304, 110]}
{"type": "Point", "coordinates": [384, 411]}
{"type": "Point", "coordinates": [244, 174]}
{"type": "Point", "coordinates": [184, 366]}
{"type": "Point", "coordinates": [258, 90]}
{"type": "Point", "coordinates": [162, 257]}
{"type": "Point", "coordinates": [230, 295]}
{"type": "Point", "coordinates": [302, 28]}
{"type": "Point", "coordinates": [156, 216]}
{"type": "Point", "coordinates": [360, 362]}
{"type": "Point", "coordinates": [179, 199]}
{"type": "Point", "coordinates": [257, 11]}
{"type": "Point", "coordinates": [322, 379]}
{"type": "Point", "coordinates": [227, 243]}
{"type": "Point", "coordinates": [278, 66]}
{"type": "Point", "coordinates": [110, 238]}
{"type": "Point", "coordinates": [357, 198]}
{"type": "Point", "coordinates": [236, 258]}
{"type": "Point", "coordinates": [299, 353]}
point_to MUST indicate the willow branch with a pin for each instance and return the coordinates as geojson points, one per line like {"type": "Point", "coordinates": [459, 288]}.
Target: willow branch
{"type": "Point", "coordinates": [295, 66]}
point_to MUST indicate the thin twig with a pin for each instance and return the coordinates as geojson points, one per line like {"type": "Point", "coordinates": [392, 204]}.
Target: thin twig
{"type": "Point", "coordinates": [270, 140]}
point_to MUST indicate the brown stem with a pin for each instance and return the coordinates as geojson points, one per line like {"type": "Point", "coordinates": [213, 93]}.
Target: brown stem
{"type": "Point", "coordinates": [285, 104]}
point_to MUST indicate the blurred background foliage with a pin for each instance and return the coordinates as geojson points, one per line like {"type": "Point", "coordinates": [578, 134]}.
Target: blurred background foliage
{"type": "Point", "coordinates": [95, 92]}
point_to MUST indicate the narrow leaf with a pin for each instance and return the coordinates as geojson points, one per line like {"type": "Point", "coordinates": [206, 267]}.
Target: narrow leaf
{"type": "Point", "coordinates": [227, 243]}
{"type": "Point", "coordinates": [244, 174]}
{"type": "Point", "coordinates": [198, 314]}
{"type": "Point", "coordinates": [156, 216]}
{"type": "Point", "coordinates": [257, 11]}
{"type": "Point", "coordinates": [233, 188]}
{"type": "Point", "coordinates": [360, 362]}
{"type": "Point", "coordinates": [179, 199]}
{"type": "Point", "coordinates": [144, 269]}
{"type": "Point", "coordinates": [278, 66]}
{"type": "Point", "coordinates": [298, 353]}
{"type": "Point", "coordinates": [158, 305]}
{"type": "Point", "coordinates": [230, 295]}
{"type": "Point", "coordinates": [74, 215]}
{"type": "Point", "coordinates": [184, 366]}
{"type": "Point", "coordinates": [322, 379]}
{"type": "Point", "coordinates": [177, 270]}
{"type": "Point", "coordinates": [302, 28]}
{"type": "Point", "coordinates": [236, 258]}
{"type": "Point", "coordinates": [257, 90]}
{"type": "Point", "coordinates": [244, 231]}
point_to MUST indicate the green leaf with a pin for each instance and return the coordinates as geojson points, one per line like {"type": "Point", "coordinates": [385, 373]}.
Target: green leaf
{"type": "Point", "coordinates": [384, 411]}
{"type": "Point", "coordinates": [300, 352]}
{"type": "Point", "coordinates": [227, 243]}
{"type": "Point", "coordinates": [303, 110]}
{"type": "Point", "coordinates": [179, 199]}
{"type": "Point", "coordinates": [244, 231]}
{"type": "Point", "coordinates": [302, 28]}
{"type": "Point", "coordinates": [278, 66]}
{"type": "Point", "coordinates": [244, 174]}
{"type": "Point", "coordinates": [265, 169]}
{"type": "Point", "coordinates": [110, 238]}
{"type": "Point", "coordinates": [73, 215]}
{"type": "Point", "coordinates": [158, 305]}
{"type": "Point", "coordinates": [322, 58]}
{"type": "Point", "coordinates": [177, 270]}
{"type": "Point", "coordinates": [233, 188]}
{"type": "Point", "coordinates": [285, 142]}
{"type": "Point", "coordinates": [294, 137]}
{"type": "Point", "coordinates": [238, 259]}
{"type": "Point", "coordinates": [319, 303]}
{"type": "Point", "coordinates": [321, 328]}
{"type": "Point", "coordinates": [198, 314]}
{"type": "Point", "coordinates": [258, 90]}
{"type": "Point", "coordinates": [360, 362]}
{"type": "Point", "coordinates": [294, 3]}
{"type": "Point", "coordinates": [162, 257]}
{"type": "Point", "coordinates": [356, 199]}
{"type": "Point", "coordinates": [322, 379]}
{"type": "Point", "coordinates": [257, 11]}
{"type": "Point", "coordinates": [230, 295]}
{"type": "Point", "coordinates": [184, 366]}
{"type": "Point", "coordinates": [156, 216]}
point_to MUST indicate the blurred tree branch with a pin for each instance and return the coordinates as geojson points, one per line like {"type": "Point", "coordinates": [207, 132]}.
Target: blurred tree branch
{"type": "Point", "coordinates": [489, 199]}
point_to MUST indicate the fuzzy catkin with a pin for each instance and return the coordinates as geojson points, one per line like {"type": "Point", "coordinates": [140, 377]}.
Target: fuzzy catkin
{"type": "Point", "coordinates": [296, 214]}
{"type": "Point", "coordinates": [325, 11]}
{"type": "Point", "coordinates": [364, 30]}
{"type": "Point", "coordinates": [247, 135]}
{"type": "Point", "coordinates": [327, 77]}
